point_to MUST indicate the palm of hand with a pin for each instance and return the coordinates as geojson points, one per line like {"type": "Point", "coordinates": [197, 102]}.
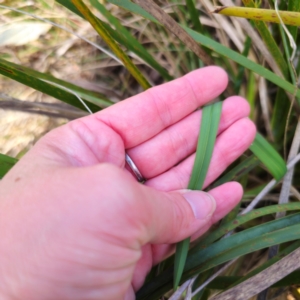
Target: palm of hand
{"type": "Point", "coordinates": [92, 242]}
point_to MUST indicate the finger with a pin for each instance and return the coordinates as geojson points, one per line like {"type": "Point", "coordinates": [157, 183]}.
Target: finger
{"type": "Point", "coordinates": [226, 196]}
{"type": "Point", "coordinates": [178, 141]}
{"type": "Point", "coordinates": [143, 116]}
{"type": "Point", "coordinates": [229, 146]}
{"type": "Point", "coordinates": [172, 217]}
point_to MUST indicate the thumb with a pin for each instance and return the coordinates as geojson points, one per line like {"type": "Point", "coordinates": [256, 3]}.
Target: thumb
{"type": "Point", "coordinates": [174, 216]}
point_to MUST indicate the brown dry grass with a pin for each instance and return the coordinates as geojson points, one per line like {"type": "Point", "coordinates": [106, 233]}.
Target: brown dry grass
{"type": "Point", "coordinates": [56, 52]}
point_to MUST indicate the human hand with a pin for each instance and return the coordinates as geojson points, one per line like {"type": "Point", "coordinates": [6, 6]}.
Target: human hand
{"type": "Point", "coordinates": [74, 222]}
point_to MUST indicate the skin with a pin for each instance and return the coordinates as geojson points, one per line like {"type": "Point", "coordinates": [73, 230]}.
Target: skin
{"type": "Point", "coordinates": [75, 223]}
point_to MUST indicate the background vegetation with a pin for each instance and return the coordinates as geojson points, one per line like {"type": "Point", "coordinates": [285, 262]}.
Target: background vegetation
{"type": "Point", "coordinates": [95, 53]}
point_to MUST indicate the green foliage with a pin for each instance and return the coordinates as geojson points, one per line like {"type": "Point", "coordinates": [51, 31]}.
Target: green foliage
{"type": "Point", "coordinates": [258, 237]}
{"type": "Point", "coordinates": [208, 133]}
{"type": "Point", "coordinates": [268, 155]}
{"type": "Point", "coordinates": [269, 41]}
{"type": "Point", "coordinates": [57, 88]}
{"type": "Point", "coordinates": [6, 163]}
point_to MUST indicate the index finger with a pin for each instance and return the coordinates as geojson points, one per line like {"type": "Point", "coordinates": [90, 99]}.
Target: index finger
{"type": "Point", "coordinates": [143, 116]}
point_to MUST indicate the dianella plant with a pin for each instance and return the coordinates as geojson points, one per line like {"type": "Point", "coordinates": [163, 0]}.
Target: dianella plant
{"type": "Point", "coordinates": [255, 249]}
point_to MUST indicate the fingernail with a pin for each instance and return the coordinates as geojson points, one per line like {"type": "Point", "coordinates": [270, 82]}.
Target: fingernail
{"type": "Point", "coordinates": [203, 204]}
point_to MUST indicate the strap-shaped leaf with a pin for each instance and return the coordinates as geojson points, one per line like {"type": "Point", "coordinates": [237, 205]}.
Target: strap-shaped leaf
{"type": "Point", "coordinates": [242, 219]}
{"type": "Point", "coordinates": [135, 47]}
{"type": "Point", "coordinates": [238, 171]}
{"type": "Point", "coordinates": [263, 30]}
{"type": "Point", "coordinates": [124, 37]}
{"type": "Point", "coordinates": [194, 15]}
{"type": "Point", "coordinates": [263, 280]}
{"type": "Point", "coordinates": [100, 29]}
{"type": "Point", "coordinates": [208, 132]}
{"type": "Point", "coordinates": [50, 85]}
{"type": "Point", "coordinates": [182, 249]}
{"type": "Point", "coordinates": [295, 245]}
{"type": "Point", "coordinates": [255, 238]}
{"type": "Point", "coordinates": [250, 240]}
{"type": "Point", "coordinates": [259, 14]}
{"type": "Point", "coordinates": [220, 49]}
{"type": "Point", "coordinates": [225, 282]}
{"type": "Point", "coordinates": [6, 163]}
{"type": "Point", "coordinates": [268, 156]}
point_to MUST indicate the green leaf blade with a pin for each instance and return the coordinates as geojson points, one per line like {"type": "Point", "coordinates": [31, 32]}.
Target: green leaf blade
{"type": "Point", "coordinates": [51, 86]}
{"type": "Point", "coordinates": [220, 49]}
{"type": "Point", "coordinates": [209, 127]}
{"type": "Point", "coordinates": [124, 37]}
{"type": "Point", "coordinates": [194, 15]}
{"type": "Point", "coordinates": [268, 156]}
{"type": "Point", "coordinates": [208, 133]}
{"type": "Point", "coordinates": [182, 249]}
{"type": "Point", "coordinates": [250, 240]}
{"type": "Point", "coordinates": [6, 163]}
{"type": "Point", "coordinates": [104, 34]}
{"type": "Point", "coordinates": [242, 219]}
